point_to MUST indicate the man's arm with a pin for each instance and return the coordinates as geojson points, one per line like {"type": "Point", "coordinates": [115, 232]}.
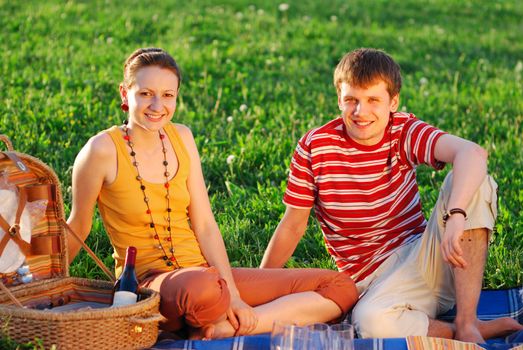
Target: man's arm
{"type": "Point", "coordinates": [469, 163]}
{"type": "Point", "coordinates": [286, 237]}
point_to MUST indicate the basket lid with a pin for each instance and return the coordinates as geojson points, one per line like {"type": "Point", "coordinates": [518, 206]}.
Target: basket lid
{"type": "Point", "coordinates": [46, 256]}
{"type": "Point", "coordinates": [16, 221]}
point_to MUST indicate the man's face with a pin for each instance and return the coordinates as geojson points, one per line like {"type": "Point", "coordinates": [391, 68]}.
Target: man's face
{"type": "Point", "coordinates": [366, 111]}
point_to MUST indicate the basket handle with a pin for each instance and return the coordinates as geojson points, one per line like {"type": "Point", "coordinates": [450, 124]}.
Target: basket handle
{"type": "Point", "coordinates": [7, 142]}
{"type": "Point", "coordinates": [11, 155]}
{"type": "Point", "coordinates": [10, 295]}
{"type": "Point", "coordinates": [146, 320]}
{"type": "Point", "coordinates": [98, 262]}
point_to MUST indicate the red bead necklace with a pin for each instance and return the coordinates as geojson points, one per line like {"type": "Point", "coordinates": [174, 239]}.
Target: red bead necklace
{"type": "Point", "coordinates": [169, 261]}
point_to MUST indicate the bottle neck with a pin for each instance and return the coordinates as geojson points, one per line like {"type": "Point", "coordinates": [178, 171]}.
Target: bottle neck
{"type": "Point", "coordinates": [130, 257]}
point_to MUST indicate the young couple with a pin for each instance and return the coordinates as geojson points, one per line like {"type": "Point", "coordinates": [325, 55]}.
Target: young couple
{"type": "Point", "coordinates": [357, 171]}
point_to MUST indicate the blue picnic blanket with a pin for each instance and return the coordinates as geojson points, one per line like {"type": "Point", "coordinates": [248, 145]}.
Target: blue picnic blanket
{"type": "Point", "coordinates": [492, 304]}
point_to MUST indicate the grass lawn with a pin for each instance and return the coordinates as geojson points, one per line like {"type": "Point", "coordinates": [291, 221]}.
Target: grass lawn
{"type": "Point", "coordinates": [256, 78]}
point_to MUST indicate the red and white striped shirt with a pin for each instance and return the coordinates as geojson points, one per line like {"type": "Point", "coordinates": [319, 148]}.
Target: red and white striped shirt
{"type": "Point", "coordinates": [365, 197]}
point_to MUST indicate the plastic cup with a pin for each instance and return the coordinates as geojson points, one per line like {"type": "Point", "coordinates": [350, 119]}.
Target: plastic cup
{"type": "Point", "coordinates": [341, 337]}
{"type": "Point", "coordinates": [286, 336]}
{"type": "Point", "coordinates": [318, 336]}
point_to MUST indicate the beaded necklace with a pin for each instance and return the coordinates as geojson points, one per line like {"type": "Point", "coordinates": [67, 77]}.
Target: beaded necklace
{"type": "Point", "coordinates": [169, 261]}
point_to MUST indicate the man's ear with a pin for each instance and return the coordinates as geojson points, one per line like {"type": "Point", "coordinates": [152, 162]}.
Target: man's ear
{"type": "Point", "coordinates": [339, 102]}
{"type": "Point", "coordinates": [394, 103]}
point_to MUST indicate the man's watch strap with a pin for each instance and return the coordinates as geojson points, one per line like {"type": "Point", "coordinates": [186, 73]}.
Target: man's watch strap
{"type": "Point", "coordinates": [453, 211]}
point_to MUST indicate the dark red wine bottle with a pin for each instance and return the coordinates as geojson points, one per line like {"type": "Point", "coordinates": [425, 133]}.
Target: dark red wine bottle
{"type": "Point", "coordinates": [125, 291]}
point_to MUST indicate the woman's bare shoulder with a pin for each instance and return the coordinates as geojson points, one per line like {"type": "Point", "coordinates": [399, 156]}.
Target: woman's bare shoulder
{"type": "Point", "coordinates": [186, 135]}
{"type": "Point", "coordinates": [183, 130]}
{"type": "Point", "coordinates": [99, 147]}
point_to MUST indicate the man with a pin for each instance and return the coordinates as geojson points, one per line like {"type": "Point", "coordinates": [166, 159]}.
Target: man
{"type": "Point", "coordinates": [359, 173]}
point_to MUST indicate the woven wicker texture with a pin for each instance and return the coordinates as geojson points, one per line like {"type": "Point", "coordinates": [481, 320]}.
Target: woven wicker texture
{"type": "Point", "coordinates": [128, 327]}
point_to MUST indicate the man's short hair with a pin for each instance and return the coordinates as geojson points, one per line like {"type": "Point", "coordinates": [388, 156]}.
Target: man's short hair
{"type": "Point", "coordinates": [364, 67]}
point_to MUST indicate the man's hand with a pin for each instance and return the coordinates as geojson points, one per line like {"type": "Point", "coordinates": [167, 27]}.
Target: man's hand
{"type": "Point", "coordinates": [450, 245]}
{"type": "Point", "coordinates": [241, 316]}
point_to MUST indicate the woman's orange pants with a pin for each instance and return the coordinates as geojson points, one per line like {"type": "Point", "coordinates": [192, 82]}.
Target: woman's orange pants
{"type": "Point", "coordinates": [197, 297]}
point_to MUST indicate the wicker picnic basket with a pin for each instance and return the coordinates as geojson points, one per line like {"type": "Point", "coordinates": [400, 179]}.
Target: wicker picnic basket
{"type": "Point", "coordinates": [22, 316]}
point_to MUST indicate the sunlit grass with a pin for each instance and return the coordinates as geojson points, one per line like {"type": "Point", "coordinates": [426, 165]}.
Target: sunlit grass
{"type": "Point", "coordinates": [462, 64]}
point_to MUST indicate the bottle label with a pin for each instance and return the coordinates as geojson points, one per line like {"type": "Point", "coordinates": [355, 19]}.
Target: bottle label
{"type": "Point", "coordinates": [124, 298]}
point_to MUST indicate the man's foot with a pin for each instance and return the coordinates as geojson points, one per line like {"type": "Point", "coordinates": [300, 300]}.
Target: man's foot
{"type": "Point", "coordinates": [480, 330]}
{"type": "Point", "coordinates": [499, 327]}
{"type": "Point", "coordinates": [469, 333]}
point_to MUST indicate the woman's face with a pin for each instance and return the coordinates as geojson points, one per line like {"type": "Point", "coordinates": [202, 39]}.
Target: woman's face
{"type": "Point", "coordinates": [152, 97]}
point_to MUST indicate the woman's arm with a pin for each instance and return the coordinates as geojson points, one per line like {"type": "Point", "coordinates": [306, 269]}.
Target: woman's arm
{"type": "Point", "coordinates": [91, 168]}
{"type": "Point", "coordinates": [241, 316]}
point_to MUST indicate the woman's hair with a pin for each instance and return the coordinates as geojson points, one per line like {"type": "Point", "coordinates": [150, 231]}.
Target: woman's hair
{"type": "Point", "coordinates": [146, 57]}
{"type": "Point", "coordinates": [364, 67]}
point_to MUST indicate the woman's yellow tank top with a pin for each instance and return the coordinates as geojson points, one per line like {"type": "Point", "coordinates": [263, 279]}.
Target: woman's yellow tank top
{"type": "Point", "coordinates": [123, 210]}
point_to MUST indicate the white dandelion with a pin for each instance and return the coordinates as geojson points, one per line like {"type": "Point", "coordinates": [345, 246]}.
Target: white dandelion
{"type": "Point", "coordinates": [243, 107]}
{"type": "Point", "coordinates": [423, 81]}
{"type": "Point", "coordinates": [283, 7]}
{"type": "Point", "coordinates": [229, 119]}
{"type": "Point", "coordinates": [230, 159]}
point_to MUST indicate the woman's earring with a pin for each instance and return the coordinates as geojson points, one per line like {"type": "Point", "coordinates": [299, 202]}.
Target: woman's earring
{"type": "Point", "coordinates": [125, 107]}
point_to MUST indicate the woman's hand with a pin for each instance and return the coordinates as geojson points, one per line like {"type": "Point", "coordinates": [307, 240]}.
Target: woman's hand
{"type": "Point", "coordinates": [241, 316]}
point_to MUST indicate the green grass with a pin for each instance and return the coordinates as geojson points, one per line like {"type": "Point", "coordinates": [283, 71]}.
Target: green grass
{"type": "Point", "coordinates": [462, 63]}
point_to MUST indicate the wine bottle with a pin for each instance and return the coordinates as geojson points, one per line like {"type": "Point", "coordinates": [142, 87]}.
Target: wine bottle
{"type": "Point", "coordinates": [125, 291]}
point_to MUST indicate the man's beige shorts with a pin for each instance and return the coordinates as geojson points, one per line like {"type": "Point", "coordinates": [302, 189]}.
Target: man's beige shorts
{"type": "Point", "coordinates": [415, 283]}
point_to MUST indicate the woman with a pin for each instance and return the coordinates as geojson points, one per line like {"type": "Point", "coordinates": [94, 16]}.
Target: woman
{"type": "Point", "coordinates": [147, 179]}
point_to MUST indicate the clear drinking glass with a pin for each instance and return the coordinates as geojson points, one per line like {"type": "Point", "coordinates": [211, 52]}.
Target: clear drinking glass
{"type": "Point", "coordinates": [286, 336]}
{"type": "Point", "coordinates": [341, 337]}
{"type": "Point", "coordinates": [318, 336]}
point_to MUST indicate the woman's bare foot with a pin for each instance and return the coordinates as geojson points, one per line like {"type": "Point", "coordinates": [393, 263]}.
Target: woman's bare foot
{"type": "Point", "coordinates": [220, 329]}
{"type": "Point", "coordinates": [202, 333]}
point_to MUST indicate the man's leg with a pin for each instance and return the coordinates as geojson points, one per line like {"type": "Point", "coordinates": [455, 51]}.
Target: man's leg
{"type": "Point", "coordinates": [468, 281]}
{"type": "Point", "coordinates": [467, 284]}
{"type": "Point", "coordinates": [406, 298]}
{"type": "Point", "coordinates": [396, 300]}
